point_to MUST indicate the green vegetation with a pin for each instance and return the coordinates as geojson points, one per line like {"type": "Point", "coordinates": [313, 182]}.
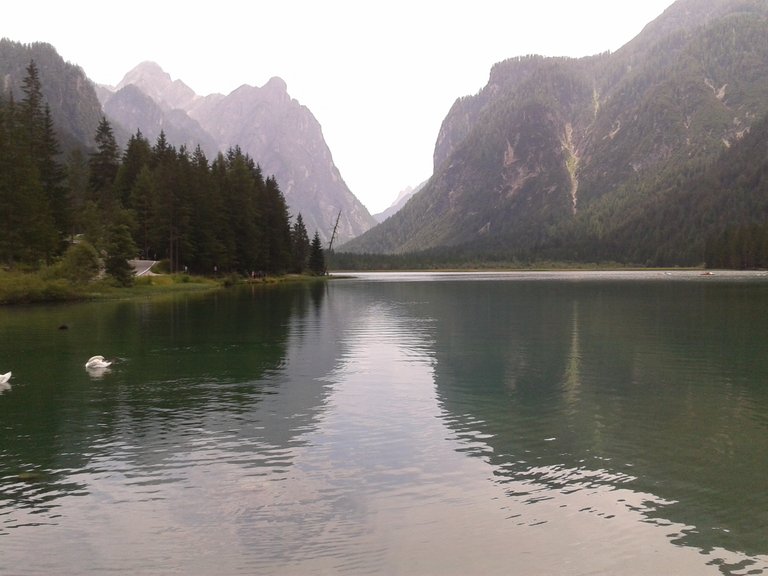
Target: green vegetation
{"type": "Point", "coordinates": [316, 257]}
{"type": "Point", "coordinates": [65, 225]}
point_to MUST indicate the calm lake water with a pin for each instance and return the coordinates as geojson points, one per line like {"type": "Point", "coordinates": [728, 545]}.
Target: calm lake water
{"type": "Point", "coordinates": [522, 423]}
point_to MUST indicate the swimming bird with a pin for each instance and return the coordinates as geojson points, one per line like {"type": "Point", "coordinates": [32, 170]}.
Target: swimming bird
{"type": "Point", "coordinates": [97, 362]}
{"type": "Point", "coordinates": [4, 384]}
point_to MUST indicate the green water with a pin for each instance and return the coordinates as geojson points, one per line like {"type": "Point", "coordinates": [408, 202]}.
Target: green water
{"type": "Point", "coordinates": [562, 423]}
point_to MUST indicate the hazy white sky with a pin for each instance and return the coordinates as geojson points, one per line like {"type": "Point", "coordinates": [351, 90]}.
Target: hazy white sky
{"type": "Point", "coordinates": [380, 77]}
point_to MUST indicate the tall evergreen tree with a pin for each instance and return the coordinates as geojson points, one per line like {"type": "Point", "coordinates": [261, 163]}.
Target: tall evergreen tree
{"type": "Point", "coordinates": [141, 198]}
{"type": "Point", "coordinates": [78, 185]}
{"type": "Point", "coordinates": [205, 216]}
{"type": "Point", "coordinates": [120, 248]}
{"type": "Point", "coordinates": [163, 225]}
{"type": "Point", "coordinates": [316, 256]}
{"type": "Point", "coordinates": [278, 227]}
{"type": "Point", "coordinates": [38, 138]}
{"type": "Point", "coordinates": [137, 155]}
{"type": "Point", "coordinates": [27, 234]}
{"type": "Point", "coordinates": [299, 245]}
{"type": "Point", "coordinates": [53, 177]}
{"type": "Point", "coordinates": [104, 164]}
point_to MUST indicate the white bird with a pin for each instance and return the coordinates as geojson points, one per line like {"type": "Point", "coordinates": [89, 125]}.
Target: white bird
{"type": "Point", "coordinates": [97, 362]}
{"type": "Point", "coordinates": [4, 384]}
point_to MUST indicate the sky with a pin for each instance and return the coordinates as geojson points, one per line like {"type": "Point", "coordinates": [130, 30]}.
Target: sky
{"type": "Point", "coordinates": [379, 76]}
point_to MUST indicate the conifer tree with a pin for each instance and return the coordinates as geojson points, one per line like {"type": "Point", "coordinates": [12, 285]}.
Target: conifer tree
{"type": "Point", "coordinates": [77, 184]}
{"type": "Point", "coordinates": [53, 176]}
{"type": "Point", "coordinates": [278, 227]}
{"type": "Point", "coordinates": [120, 248]}
{"type": "Point", "coordinates": [38, 141]}
{"type": "Point", "coordinates": [104, 164]}
{"type": "Point", "coordinates": [316, 256]}
{"type": "Point", "coordinates": [137, 155]}
{"type": "Point", "coordinates": [26, 231]}
{"type": "Point", "coordinates": [299, 245]}
{"type": "Point", "coordinates": [140, 200]}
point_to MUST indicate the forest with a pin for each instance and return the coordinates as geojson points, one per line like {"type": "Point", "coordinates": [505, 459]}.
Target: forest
{"type": "Point", "coordinates": [92, 211]}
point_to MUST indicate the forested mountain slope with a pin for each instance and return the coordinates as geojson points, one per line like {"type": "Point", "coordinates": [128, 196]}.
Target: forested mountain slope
{"type": "Point", "coordinates": [597, 158]}
{"type": "Point", "coordinates": [69, 93]}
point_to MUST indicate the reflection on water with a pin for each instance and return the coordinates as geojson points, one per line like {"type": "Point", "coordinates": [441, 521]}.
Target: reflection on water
{"type": "Point", "coordinates": [400, 424]}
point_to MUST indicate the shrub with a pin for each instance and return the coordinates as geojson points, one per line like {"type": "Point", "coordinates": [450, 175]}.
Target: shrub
{"type": "Point", "coordinates": [80, 263]}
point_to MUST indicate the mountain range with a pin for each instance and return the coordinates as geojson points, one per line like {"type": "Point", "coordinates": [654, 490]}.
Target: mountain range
{"type": "Point", "coordinates": [280, 134]}
{"type": "Point", "coordinates": [608, 157]}
{"type": "Point", "coordinates": [626, 156]}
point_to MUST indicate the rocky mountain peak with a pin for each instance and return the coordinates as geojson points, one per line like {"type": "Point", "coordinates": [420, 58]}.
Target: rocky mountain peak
{"type": "Point", "coordinates": [276, 86]}
{"type": "Point", "coordinates": [158, 85]}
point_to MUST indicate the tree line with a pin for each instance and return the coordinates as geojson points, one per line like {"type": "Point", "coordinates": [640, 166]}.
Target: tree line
{"type": "Point", "coordinates": [151, 200]}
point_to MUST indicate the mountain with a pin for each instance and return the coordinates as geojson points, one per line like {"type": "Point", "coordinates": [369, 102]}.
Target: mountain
{"type": "Point", "coordinates": [75, 108]}
{"type": "Point", "coordinates": [134, 110]}
{"type": "Point", "coordinates": [400, 201]}
{"type": "Point", "coordinates": [593, 158]}
{"type": "Point", "coordinates": [287, 141]}
{"type": "Point", "coordinates": [151, 79]}
{"type": "Point", "coordinates": [265, 122]}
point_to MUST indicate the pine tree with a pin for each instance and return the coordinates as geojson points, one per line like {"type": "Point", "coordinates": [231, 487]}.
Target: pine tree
{"type": "Point", "coordinates": [316, 256]}
{"type": "Point", "coordinates": [38, 141]}
{"type": "Point", "coordinates": [137, 155]}
{"type": "Point", "coordinates": [299, 245]}
{"type": "Point", "coordinates": [120, 248]}
{"type": "Point", "coordinates": [53, 177]}
{"type": "Point", "coordinates": [77, 183]}
{"type": "Point", "coordinates": [278, 228]}
{"type": "Point", "coordinates": [140, 200]}
{"type": "Point", "coordinates": [104, 164]}
{"type": "Point", "coordinates": [163, 232]}
{"type": "Point", "coordinates": [26, 231]}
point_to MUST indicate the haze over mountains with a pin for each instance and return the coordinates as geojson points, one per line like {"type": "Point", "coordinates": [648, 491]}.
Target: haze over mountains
{"type": "Point", "coordinates": [609, 157]}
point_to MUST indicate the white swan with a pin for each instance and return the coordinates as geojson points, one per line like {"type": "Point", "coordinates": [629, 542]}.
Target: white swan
{"type": "Point", "coordinates": [97, 362]}
{"type": "Point", "coordinates": [4, 384]}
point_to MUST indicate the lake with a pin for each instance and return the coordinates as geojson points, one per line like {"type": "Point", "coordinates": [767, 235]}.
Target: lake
{"type": "Point", "coordinates": [480, 423]}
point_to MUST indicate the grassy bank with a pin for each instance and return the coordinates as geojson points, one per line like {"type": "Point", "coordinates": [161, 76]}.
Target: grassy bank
{"type": "Point", "coordinates": [20, 287]}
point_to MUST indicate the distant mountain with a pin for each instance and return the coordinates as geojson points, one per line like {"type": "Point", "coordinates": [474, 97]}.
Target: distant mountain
{"type": "Point", "coordinates": [75, 108]}
{"type": "Point", "coordinates": [134, 110]}
{"type": "Point", "coordinates": [275, 130]}
{"type": "Point", "coordinates": [158, 85]}
{"type": "Point", "coordinates": [400, 201]}
{"type": "Point", "coordinates": [593, 158]}
{"type": "Point", "coordinates": [287, 141]}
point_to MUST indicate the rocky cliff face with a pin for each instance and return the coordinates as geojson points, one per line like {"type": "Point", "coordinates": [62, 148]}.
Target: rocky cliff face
{"type": "Point", "coordinates": [280, 134]}
{"type": "Point", "coordinates": [286, 140]}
